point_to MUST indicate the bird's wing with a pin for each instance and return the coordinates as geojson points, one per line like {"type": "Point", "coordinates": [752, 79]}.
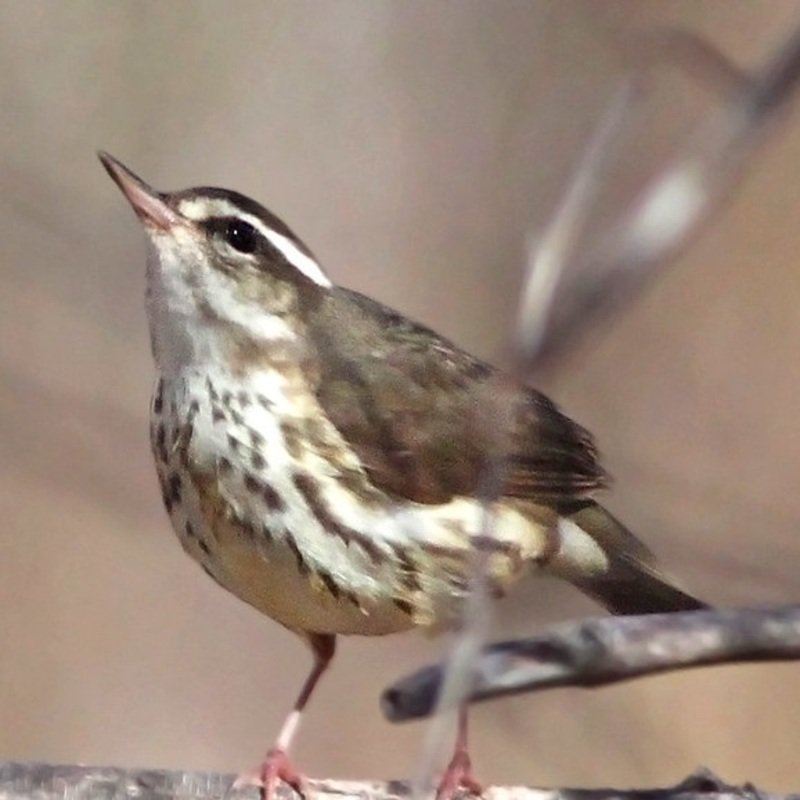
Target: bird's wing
{"type": "Point", "coordinates": [413, 406]}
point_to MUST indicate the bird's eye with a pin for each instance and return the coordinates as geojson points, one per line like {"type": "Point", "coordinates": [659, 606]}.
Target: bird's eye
{"type": "Point", "coordinates": [241, 236]}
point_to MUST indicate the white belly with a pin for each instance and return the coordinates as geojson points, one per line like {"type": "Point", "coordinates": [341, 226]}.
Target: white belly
{"type": "Point", "coordinates": [261, 505]}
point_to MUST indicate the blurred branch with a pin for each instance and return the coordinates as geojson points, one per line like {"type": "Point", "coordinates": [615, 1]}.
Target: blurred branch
{"type": "Point", "coordinates": [599, 652]}
{"type": "Point", "coordinates": [58, 782]}
{"type": "Point", "coordinates": [567, 297]}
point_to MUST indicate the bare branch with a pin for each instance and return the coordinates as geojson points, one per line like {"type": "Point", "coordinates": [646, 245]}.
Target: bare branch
{"type": "Point", "coordinates": [599, 652]}
{"type": "Point", "coordinates": [59, 782]}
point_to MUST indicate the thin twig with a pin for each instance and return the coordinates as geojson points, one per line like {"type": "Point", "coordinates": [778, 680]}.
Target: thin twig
{"type": "Point", "coordinates": [600, 652]}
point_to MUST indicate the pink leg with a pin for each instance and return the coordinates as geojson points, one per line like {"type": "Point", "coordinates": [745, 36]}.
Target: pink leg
{"type": "Point", "coordinates": [458, 774]}
{"type": "Point", "coordinates": [276, 766]}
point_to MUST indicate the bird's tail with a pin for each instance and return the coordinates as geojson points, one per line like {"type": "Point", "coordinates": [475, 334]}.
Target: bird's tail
{"type": "Point", "coordinates": [603, 559]}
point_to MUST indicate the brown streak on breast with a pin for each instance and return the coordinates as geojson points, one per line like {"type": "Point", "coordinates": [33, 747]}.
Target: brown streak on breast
{"type": "Point", "coordinates": [158, 397]}
{"type": "Point", "coordinates": [309, 488]}
{"type": "Point", "coordinates": [160, 443]}
{"type": "Point", "coordinates": [441, 551]}
{"type": "Point", "coordinates": [292, 438]}
{"type": "Point", "coordinates": [409, 572]}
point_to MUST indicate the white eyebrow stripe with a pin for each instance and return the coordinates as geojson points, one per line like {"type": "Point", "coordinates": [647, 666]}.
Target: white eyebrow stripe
{"type": "Point", "coordinates": [291, 252]}
{"type": "Point", "coordinates": [202, 208]}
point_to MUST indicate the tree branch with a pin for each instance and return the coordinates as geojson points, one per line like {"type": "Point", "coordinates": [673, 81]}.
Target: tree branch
{"type": "Point", "coordinates": [598, 652]}
{"type": "Point", "coordinates": [59, 782]}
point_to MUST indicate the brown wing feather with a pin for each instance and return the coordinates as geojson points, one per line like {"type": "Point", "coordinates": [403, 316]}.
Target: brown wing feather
{"type": "Point", "coordinates": [412, 405]}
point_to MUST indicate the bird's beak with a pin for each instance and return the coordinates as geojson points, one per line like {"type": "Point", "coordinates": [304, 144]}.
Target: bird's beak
{"type": "Point", "coordinates": [149, 205]}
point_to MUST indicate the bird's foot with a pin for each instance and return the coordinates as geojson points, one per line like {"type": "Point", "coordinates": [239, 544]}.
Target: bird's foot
{"type": "Point", "coordinates": [275, 768]}
{"type": "Point", "coordinates": [458, 775]}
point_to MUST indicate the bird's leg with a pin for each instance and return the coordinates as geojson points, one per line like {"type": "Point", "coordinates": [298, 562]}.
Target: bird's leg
{"type": "Point", "coordinates": [276, 765]}
{"type": "Point", "coordinates": [458, 774]}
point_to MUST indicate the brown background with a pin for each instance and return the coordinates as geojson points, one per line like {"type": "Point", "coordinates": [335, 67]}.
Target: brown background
{"type": "Point", "coordinates": [414, 145]}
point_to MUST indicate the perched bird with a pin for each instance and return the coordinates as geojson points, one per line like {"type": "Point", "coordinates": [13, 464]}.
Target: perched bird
{"type": "Point", "coordinates": [319, 454]}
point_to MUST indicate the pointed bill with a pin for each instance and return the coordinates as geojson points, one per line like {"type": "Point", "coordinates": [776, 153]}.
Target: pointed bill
{"type": "Point", "coordinates": [148, 204]}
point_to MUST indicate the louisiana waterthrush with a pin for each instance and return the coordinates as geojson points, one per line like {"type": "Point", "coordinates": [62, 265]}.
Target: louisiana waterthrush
{"type": "Point", "coordinates": [319, 453]}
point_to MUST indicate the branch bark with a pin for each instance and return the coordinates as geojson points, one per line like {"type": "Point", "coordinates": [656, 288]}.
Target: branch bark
{"type": "Point", "coordinates": [34, 781]}
{"type": "Point", "coordinates": [599, 652]}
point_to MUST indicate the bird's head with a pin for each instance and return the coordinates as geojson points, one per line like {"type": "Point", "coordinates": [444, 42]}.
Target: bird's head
{"type": "Point", "coordinates": [222, 269]}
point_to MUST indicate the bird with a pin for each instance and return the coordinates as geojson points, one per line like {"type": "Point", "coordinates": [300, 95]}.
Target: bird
{"type": "Point", "coordinates": [320, 455]}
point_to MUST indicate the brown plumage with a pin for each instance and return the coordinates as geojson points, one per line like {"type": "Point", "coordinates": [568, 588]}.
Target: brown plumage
{"type": "Point", "coordinates": [414, 408]}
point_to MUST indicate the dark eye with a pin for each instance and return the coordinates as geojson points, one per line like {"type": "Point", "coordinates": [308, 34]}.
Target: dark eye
{"type": "Point", "coordinates": [241, 236]}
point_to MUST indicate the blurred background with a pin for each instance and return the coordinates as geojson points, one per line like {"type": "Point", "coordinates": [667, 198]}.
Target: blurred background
{"type": "Point", "coordinates": [414, 146]}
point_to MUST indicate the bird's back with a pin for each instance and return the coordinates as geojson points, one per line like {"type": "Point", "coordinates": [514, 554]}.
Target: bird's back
{"type": "Point", "coordinates": [421, 412]}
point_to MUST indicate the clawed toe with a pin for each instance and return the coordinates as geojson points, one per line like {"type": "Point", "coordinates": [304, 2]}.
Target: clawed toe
{"type": "Point", "coordinates": [274, 769]}
{"type": "Point", "coordinates": [458, 776]}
